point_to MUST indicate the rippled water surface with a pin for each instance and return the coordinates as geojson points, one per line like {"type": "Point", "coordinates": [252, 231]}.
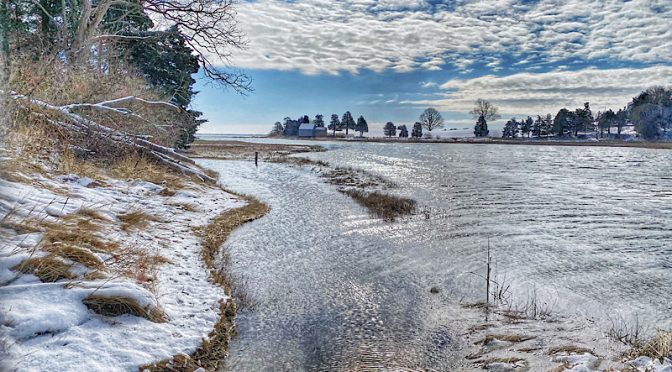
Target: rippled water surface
{"type": "Point", "coordinates": [584, 227]}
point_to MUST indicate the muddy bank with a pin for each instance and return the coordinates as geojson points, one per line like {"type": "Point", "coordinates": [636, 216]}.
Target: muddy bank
{"type": "Point", "coordinates": [239, 150]}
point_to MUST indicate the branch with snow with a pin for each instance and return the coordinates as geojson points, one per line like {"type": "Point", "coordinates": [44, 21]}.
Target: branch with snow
{"type": "Point", "coordinates": [74, 122]}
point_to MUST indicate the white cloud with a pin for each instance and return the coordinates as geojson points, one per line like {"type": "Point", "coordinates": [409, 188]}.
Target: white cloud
{"type": "Point", "coordinates": [428, 84]}
{"type": "Point", "coordinates": [324, 36]}
{"type": "Point", "coordinates": [529, 93]}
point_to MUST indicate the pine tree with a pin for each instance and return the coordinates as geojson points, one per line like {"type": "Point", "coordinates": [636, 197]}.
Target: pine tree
{"type": "Point", "coordinates": [362, 126]}
{"type": "Point", "coordinates": [348, 122]}
{"type": "Point", "coordinates": [319, 121]}
{"type": "Point", "coordinates": [403, 131]}
{"type": "Point", "coordinates": [277, 129]}
{"type": "Point", "coordinates": [481, 127]}
{"type": "Point", "coordinates": [334, 124]}
{"type": "Point", "coordinates": [510, 129]}
{"type": "Point", "coordinates": [417, 130]}
{"type": "Point", "coordinates": [390, 129]}
{"type": "Point", "coordinates": [526, 126]}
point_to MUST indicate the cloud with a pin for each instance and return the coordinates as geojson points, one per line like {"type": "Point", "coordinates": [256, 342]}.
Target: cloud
{"type": "Point", "coordinates": [428, 84]}
{"type": "Point", "coordinates": [324, 36]}
{"type": "Point", "coordinates": [536, 93]}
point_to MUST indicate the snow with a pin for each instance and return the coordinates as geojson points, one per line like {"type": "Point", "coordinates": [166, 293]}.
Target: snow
{"type": "Point", "coordinates": [46, 326]}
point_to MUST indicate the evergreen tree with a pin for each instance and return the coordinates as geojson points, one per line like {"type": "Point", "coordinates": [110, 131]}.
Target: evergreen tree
{"type": "Point", "coordinates": [621, 119]}
{"type": "Point", "coordinates": [319, 121]}
{"type": "Point", "coordinates": [481, 127]}
{"type": "Point", "coordinates": [334, 124]}
{"type": "Point", "coordinates": [526, 126]}
{"type": "Point", "coordinates": [362, 126]}
{"type": "Point", "coordinates": [563, 122]}
{"type": "Point", "coordinates": [510, 129]}
{"type": "Point", "coordinates": [403, 131]}
{"type": "Point", "coordinates": [605, 120]}
{"type": "Point", "coordinates": [417, 130]}
{"type": "Point", "coordinates": [304, 120]}
{"type": "Point", "coordinates": [584, 118]}
{"type": "Point", "coordinates": [390, 129]}
{"type": "Point", "coordinates": [348, 122]}
{"type": "Point", "coordinates": [536, 127]}
{"type": "Point", "coordinates": [277, 130]}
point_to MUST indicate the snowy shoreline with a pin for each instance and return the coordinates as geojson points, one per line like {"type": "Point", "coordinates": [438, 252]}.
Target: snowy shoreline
{"type": "Point", "coordinates": [46, 326]}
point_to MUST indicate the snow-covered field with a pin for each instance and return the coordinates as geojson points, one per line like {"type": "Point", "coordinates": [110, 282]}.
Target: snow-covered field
{"type": "Point", "coordinates": [46, 326]}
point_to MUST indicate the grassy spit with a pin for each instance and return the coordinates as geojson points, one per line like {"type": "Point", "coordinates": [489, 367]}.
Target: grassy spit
{"type": "Point", "coordinates": [213, 350]}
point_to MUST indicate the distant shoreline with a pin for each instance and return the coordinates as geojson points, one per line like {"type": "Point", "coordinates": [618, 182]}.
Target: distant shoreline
{"type": "Point", "coordinates": [485, 141]}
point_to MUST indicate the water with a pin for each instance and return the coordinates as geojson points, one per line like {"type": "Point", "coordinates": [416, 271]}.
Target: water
{"type": "Point", "coordinates": [586, 229]}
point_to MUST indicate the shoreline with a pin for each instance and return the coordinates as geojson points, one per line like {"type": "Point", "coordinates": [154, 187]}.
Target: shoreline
{"type": "Point", "coordinates": [464, 141]}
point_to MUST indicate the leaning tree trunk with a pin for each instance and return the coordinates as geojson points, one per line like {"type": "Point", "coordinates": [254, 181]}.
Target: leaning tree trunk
{"type": "Point", "coordinates": [4, 39]}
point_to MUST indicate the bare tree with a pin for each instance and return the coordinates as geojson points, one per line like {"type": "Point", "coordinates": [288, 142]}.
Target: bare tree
{"type": "Point", "coordinates": [431, 119]}
{"type": "Point", "coordinates": [485, 109]}
{"type": "Point", "coordinates": [208, 26]}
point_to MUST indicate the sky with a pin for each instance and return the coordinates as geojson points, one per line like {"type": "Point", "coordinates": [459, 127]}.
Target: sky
{"type": "Point", "coordinates": [388, 60]}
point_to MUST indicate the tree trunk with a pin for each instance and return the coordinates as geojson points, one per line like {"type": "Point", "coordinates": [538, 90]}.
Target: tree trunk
{"type": "Point", "coordinates": [4, 39]}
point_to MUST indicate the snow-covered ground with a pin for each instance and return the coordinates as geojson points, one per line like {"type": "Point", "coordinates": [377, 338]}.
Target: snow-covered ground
{"type": "Point", "coordinates": [46, 327]}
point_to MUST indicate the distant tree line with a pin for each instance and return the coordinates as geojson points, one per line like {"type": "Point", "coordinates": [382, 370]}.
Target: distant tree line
{"type": "Point", "coordinates": [650, 114]}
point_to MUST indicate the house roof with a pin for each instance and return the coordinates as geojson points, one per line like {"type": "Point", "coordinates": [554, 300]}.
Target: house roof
{"type": "Point", "coordinates": [307, 126]}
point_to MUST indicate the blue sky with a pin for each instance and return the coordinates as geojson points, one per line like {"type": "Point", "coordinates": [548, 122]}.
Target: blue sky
{"type": "Point", "coordinates": [390, 59]}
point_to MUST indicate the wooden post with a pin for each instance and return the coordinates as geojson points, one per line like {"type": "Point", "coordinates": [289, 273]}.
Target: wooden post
{"type": "Point", "coordinates": [487, 284]}
{"type": "Point", "coordinates": [256, 158]}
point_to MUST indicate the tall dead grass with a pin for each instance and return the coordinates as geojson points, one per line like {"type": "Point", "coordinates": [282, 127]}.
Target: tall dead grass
{"type": "Point", "coordinates": [387, 207]}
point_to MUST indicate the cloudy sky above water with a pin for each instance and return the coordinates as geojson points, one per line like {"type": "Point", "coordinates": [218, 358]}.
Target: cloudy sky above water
{"type": "Point", "coordinates": [390, 59]}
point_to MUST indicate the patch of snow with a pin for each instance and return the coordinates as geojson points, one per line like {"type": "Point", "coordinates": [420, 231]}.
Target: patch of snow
{"type": "Point", "coordinates": [46, 325]}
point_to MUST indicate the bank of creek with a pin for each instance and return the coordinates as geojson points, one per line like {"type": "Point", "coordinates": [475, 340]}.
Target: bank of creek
{"type": "Point", "coordinates": [580, 234]}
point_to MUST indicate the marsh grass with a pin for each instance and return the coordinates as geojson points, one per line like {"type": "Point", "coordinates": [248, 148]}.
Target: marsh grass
{"type": "Point", "coordinates": [569, 349]}
{"type": "Point", "coordinates": [514, 338]}
{"type": "Point", "coordinates": [76, 254]}
{"type": "Point", "coordinates": [48, 269]}
{"type": "Point", "coordinates": [387, 207]}
{"type": "Point", "coordinates": [119, 305]}
{"type": "Point", "coordinates": [135, 220]}
{"type": "Point", "coordinates": [657, 347]}
{"type": "Point", "coordinates": [213, 350]}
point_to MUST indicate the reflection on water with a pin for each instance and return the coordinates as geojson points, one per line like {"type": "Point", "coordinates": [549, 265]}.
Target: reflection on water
{"type": "Point", "coordinates": [589, 227]}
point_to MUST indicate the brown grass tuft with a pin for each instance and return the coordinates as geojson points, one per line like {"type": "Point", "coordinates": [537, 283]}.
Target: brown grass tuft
{"type": "Point", "coordinates": [385, 206]}
{"type": "Point", "coordinates": [118, 305]}
{"type": "Point", "coordinates": [135, 220]}
{"type": "Point", "coordinates": [569, 349]}
{"type": "Point", "coordinates": [49, 268]}
{"type": "Point", "coordinates": [20, 227]}
{"type": "Point", "coordinates": [509, 338]}
{"type": "Point", "coordinates": [59, 233]}
{"type": "Point", "coordinates": [658, 347]}
{"type": "Point", "coordinates": [90, 213]}
{"type": "Point", "coordinates": [76, 254]}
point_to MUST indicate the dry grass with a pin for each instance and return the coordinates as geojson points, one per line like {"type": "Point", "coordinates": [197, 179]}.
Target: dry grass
{"type": "Point", "coordinates": [118, 305]}
{"type": "Point", "coordinates": [90, 213]}
{"type": "Point", "coordinates": [514, 338]}
{"type": "Point", "coordinates": [569, 349]}
{"type": "Point", "coordinates": [658, 347]}
{"type": "Point", "coordinates": [76, 254]}
{"type": "Point", "coordinates": [70, 164]}
{"type": "Point", "coordinates": [20, 227]}
{"type": "Point", "coordinates": [297, 161]}
{"type": "Point", "coordinates": [137, 166]}
{"type": "Point", "coordinates": [61, 233]}
{"type": "Point", "coordinates": [185, 207]}
{"type": "Point", "coordinates": [135, 220]}
{"type": "Point", "coordinates": [49, 268]}
{"type": "Point", "coordinates": [385, 206]}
